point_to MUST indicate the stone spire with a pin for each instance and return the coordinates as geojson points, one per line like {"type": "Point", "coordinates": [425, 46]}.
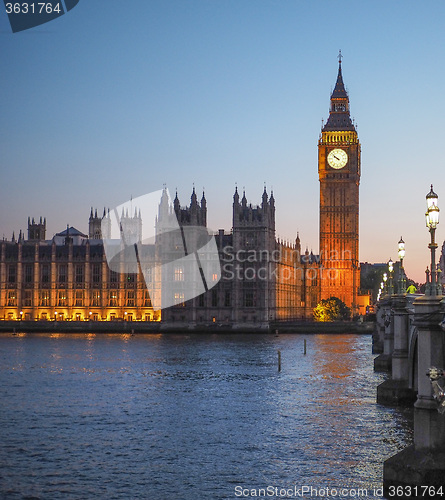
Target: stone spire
{"type": "Point", "coordinates": [339, 117]}
{"type": "Point", "coordinates": [339, 91]}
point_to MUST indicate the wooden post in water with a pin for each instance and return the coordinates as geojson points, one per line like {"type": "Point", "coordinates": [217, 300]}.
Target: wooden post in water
{"type": "Point", "coordinates": [304, 347]}
{"type": "Point", "coordinates": [279, 360]}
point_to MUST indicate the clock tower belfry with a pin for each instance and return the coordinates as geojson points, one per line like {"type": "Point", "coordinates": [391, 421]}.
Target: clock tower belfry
{"type": "Point", "coordinates": [339, 175]}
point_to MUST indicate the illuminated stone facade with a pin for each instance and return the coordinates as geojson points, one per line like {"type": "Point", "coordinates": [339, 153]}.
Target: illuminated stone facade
{"type": "Point", "coordinates": [339, 175]}
{"type": "Point", "coordinates": [67, 277]}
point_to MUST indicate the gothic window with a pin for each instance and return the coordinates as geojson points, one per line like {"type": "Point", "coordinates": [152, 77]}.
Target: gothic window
{"type": "Point", "coordinates": [227, 299]}
{"type": "Point", "coordinates": [96, 273]}
{"type": "Point", "coordinates": [179, 299]}
{"type": "Point", "coordinates": [214, 298]}
{"type": "Point", "coordinates": [79, 298]}
{"type": "Point", "coordinates": [114, 277]}
{"type": "Point", "coordinates": [147, 300]}
{"type": "Point", "coordinates": [61, 298]}
{"type": "Point", "coordinates": [201, 300]}
{"type": "Point", "coordinates": [95, 298]}
{"type": "Point", "coordinates": [130, 298]}
{"type": "Point", "coordinates": [45, 273]}
{"type": "Point", "coordinates": [12, 274]}
{"type": "Point", "coordinates": [130, 278]}
{"type": "Point", "coordinates": [44, 298]}
{"type": "Point", "coordinates": [28, 298]}
{"type": "Point", "coordinates": [148, 275]}
{"type": "Point", "coordinates": [112, 298]}
{"type": "Point", "coordinates": [12, 301]}
{"type": "Point", "coordinates": [79, 274]}
{"type": "Point", "coordinates": [179, 274]}
{"type": "Point", "coordinates": [28, 273]}
{"type": "Point", "coordinates": [249, 299]}
{"type": "Point", "coordinates": [62, 273]}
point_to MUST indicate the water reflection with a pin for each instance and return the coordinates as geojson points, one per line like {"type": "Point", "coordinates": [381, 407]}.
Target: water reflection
{"type": "Point", "coordinates": [160, 416]}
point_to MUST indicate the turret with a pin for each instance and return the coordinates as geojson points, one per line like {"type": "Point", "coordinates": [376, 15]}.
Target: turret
{"type": "Point", "coordinates": [36, 231]}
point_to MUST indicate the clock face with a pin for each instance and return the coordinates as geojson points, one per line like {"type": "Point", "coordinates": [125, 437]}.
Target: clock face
{"type": "Point", "coordinates": [337, 158]}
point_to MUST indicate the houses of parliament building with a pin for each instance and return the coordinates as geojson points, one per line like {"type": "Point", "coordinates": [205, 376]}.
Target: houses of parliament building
{"type": "Point", "coordinates": [262, 279]}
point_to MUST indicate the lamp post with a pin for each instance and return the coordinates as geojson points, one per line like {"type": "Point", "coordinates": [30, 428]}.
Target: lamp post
{"type": "Point", "coordinates": [402, 280]}
{"type": "Point", "coordinates": [385, 279]}
{"type": "Point", "coordinates": [432, 219]}
{"type": "Point", "coordinates": [390, 283]}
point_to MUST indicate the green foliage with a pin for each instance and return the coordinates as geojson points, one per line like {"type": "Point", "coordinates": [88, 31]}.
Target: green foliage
{"type": "Point", "coordinates": [332, 309]}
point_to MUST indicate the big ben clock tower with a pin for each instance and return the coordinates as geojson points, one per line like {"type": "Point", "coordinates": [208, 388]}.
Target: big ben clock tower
{"type": "Point", "coordinates": [339, 175]}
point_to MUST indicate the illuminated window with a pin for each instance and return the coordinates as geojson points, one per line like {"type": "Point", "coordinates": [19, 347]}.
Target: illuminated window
{"type": "Point", "coordinates": [62, 298]}
{"type": "Point", "coordinates": [12, 298]}
{"type": "Point", "coordinates": [214, 277]}
{"type": "Point", "coordinates": [179, 274]}
{"type": "Point", "coordinates": [95, 298]}
{"type": "Point", "coordinates": [112, 298]}
{"type": "Point", "coordinates": [179, 299]}
{"type": "Point", "coordinates": [44, 298]}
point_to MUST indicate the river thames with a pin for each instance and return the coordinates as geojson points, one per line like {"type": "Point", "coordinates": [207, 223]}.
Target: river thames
{"type": "Point", "coordinates": [191, 417]}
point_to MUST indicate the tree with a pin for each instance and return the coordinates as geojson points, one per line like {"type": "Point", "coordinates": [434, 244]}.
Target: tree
{"type": "Point", "coordinates": [332, 309]}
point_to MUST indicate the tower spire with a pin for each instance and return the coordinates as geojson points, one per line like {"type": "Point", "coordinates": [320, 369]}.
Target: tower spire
{"type": "Point", "coordinates": [339, 91]}
{"type": "Point", "coordinates": [339, 117]}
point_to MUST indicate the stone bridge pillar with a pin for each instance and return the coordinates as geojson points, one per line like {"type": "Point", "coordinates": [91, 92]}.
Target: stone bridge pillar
{"type": "Point", "coordinates": [383, 362]}
{"type": "Point", "coordinates": [379, 332]}
{"type": "Point", "coordinates": [424, 462]}
{"type": "Point", "coordinates": [396, 391]}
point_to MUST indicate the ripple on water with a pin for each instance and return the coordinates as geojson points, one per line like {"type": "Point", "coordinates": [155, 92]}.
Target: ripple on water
{"type": "Point", "coordinates": [189, 417]}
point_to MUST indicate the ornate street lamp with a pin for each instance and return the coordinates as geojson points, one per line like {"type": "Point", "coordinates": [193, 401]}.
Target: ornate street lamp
{"type": "Point", "coordinates": [432, 220]}
{"type": "Point", "coordinates": [402, 279]}
{"type": "Point", "coordinates": [390, 283]}
{"type": "Point", "coordinates": [385, 279]}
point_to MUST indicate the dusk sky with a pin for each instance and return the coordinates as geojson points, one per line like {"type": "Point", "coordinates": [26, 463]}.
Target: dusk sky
{"type": "Point", "coordinates": [116, 99]}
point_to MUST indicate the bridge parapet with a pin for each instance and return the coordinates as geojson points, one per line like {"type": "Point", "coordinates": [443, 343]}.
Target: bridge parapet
{"type": "Point", "coordinates": [423, 463]}
{"type": "Point", "coordinates": [399, 317]}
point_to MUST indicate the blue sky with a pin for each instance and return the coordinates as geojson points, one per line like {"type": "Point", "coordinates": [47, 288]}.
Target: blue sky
{"type": "Point", "coordinates": [117, 98]}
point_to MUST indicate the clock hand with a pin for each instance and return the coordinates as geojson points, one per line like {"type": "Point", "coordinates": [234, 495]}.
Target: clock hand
{"type": "Point", "coordinates": [336, 157]}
